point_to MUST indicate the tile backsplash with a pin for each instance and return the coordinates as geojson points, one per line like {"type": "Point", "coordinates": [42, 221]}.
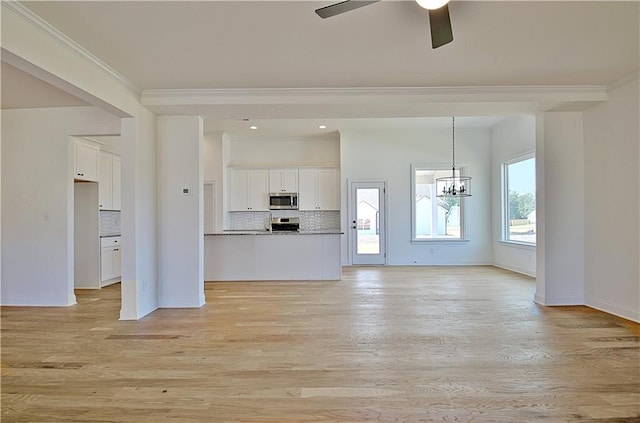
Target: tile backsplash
{"type": "Point", "coordinates": [249, 221]}
{"type": "Point", "coordinates": [109, 222]}
{"type": "Point", "coordinates": [259, 221]}
{"type": "Point", "coordinates": [319, 220]}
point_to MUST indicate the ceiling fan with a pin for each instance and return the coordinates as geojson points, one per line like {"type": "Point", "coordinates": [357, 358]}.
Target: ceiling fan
{"type": "Point", "coordinates": [439, 21]}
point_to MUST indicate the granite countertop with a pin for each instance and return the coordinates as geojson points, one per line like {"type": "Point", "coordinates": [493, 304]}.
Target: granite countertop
{"type": "Point", "coordinates": [319, 232]}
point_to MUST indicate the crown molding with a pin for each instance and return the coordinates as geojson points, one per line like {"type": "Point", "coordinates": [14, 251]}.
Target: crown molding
{"type": "Point", "coordinates": [53, 33]}
{"type": "Point", "coordinates": [169, 97]}
{"type": "Point", "coordinates": [623, 81]}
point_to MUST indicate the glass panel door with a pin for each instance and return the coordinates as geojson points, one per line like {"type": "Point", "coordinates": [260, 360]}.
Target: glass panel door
{"type": "Point", "coordinates": [367, 227]}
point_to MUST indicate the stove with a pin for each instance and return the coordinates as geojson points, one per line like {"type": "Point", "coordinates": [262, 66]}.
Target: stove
{"type": "Point", "coordinates": [285, 224]}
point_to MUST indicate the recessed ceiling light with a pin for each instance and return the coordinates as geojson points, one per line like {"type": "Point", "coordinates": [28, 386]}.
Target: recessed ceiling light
{"type": "Point", "coordinates": [253, 127]}
{"type": "Point", "coordinates": [322, 127]}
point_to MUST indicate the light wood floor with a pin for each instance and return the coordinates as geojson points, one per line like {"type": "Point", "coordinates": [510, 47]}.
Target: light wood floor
{"type": "Point", "coordinates": [396, 344]}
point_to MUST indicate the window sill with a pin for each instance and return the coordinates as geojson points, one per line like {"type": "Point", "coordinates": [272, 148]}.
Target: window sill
{"type": "Point", "coordinates": [438, 240]}
{"type": "Point", "coordinates": [521, 245]}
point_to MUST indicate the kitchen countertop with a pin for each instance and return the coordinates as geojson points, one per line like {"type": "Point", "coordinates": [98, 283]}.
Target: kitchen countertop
{"type": "Point", "coordinates": [319, 232]}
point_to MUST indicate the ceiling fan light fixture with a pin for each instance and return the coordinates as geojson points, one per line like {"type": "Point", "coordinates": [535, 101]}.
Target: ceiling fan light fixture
{"type": "Point", "coordinates": [432, 4]}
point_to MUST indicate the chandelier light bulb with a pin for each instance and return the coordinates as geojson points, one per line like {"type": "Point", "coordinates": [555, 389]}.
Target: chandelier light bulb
{"type": "Point", "coordinates": [432, 4]}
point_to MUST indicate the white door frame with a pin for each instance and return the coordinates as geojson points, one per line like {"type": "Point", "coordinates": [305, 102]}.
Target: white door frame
{"type": "Point", "coordinates": [352, 210]}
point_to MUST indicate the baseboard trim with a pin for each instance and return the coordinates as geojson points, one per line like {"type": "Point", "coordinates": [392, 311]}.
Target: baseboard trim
{"type": "Point", "coordinates": [614, 309]}
{"type": "Point", "coordinates": [516, 270]}
{"type": "Point", "coordinates": [560, 301]}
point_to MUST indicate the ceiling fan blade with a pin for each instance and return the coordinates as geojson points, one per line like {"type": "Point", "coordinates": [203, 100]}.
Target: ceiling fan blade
{"type": "Point", "coordinates": [343, 6]}
{"type": "Point", "coordinates": [440, 23]}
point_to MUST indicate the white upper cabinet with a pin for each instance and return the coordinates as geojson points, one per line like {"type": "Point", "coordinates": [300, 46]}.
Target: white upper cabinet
{"type": "Point", "coordinates": [328, 189]}
{"type": "Point", "coordinates": [319, 189]}
{"type": "Point", "coordinates": [86, 161]}
{"type": "Point", "coordinates": [248, 190]}
{"type": "Point", "coordinates": [109, 185]}
{"type": "Point", "coordinates": [116, 185]}
{"type": "Point", "coordinates": [105, 184]}
{"type": "Point", "coordinates": [283, 180]}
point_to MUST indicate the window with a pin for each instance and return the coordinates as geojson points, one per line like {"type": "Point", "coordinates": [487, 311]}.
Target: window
{"type": "Point", "coordinates": [364, 224]}
{"type": "Point", "coordinates": [434, 218]}
{"type": "Point", "coordinates": [519, 203]}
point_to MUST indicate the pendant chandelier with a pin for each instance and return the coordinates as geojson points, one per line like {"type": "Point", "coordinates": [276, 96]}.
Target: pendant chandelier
{"type": "Point", "coordinates": [455, 185]}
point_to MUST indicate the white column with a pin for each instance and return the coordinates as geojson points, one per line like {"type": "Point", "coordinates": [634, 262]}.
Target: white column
{"type": "Point", "coordinates": [612, 202]}
{"type": "Point", "coordinates": [560, 209]}
{"type": "Point", "coordinates": [181, 227]}
{"type": "Point", "coordinates": [139, 216]}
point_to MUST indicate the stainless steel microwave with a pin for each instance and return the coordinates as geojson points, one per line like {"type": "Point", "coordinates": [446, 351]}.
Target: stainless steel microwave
{"type": "Point", "coordinates": [283, 201]}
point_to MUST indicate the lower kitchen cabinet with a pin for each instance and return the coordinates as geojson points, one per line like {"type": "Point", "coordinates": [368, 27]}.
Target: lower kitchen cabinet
{"type": "Point", "coordinates": [110, 260]}
{"type": "Point", "coordinates": [272, 257]}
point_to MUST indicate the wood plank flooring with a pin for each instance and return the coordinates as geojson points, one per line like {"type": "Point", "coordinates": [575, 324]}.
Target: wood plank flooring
{"type": "Point", "coordinates": [385, 344]}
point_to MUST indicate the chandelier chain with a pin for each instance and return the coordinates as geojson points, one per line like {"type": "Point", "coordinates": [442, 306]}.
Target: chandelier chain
{"type": "Point", "coordinates": [453, 137]}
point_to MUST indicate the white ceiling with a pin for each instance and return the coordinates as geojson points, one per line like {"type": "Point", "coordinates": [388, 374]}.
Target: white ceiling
{"type": "Point", "coordinates": [266, 44]}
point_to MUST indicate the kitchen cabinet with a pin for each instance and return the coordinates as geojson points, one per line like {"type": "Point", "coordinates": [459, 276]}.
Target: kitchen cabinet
{"type": "Point", "coordinates": [116, 184]}
{"type": "Point", "coordinates": [319, 189]}
{"type": "Point", "coordinates": [272, 257]}
{"type": "Point", "coordinates": [105, 184]}
{"type": "Point", "coordinates": [248, 190]}
{"type": "Point", "coordinates": [109, 183]}
{"type": "Point", "coordinates": [283, 180]}
{"type": "Point", "coordinates": [110, 260]}
{"type": "Point", "coordinates": [86, 161]}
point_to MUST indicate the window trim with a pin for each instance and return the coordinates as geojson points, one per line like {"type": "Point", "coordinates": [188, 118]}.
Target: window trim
{"type": "Point", "coordinates": [464, 233]}
{"type": "Point", "coordinates": [504, 187]}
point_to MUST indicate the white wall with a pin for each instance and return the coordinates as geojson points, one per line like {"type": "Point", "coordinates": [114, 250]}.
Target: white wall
{"type": "Point", "coordinates": [560, 208]}
{"type": "Point", "coordinates": [509, 139]}
{"type": "Point", "coordinates": [37, 199]}
{"type": "Point", "coordinates": [181, 228]}
{"type": "Point", "coordinates": [612, 202]}
{"type": "Point", "coordinates": [388, 155]}
{"type": "Point", "coordinates": [266, 152]}
{"type": "Point", "coordinates": [139, 216]}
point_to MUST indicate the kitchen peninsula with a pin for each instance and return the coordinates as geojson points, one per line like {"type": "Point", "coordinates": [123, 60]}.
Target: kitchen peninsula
{"type": "Point", "coordinates": [277, 215]}
{"type": "Point", "coordinates": [266, 255]}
